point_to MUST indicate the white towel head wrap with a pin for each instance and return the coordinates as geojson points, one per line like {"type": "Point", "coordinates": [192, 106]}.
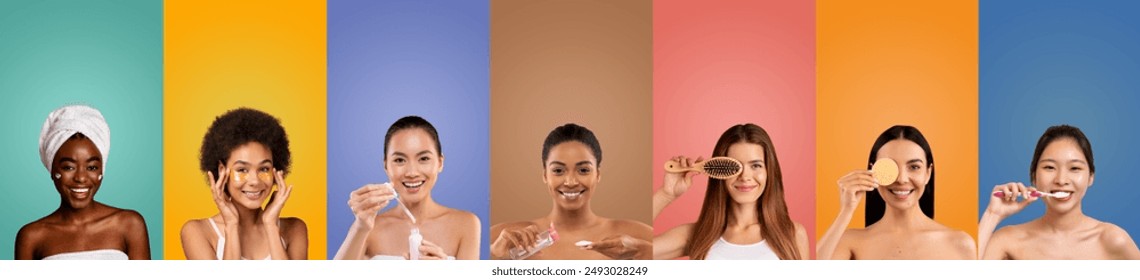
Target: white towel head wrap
{"type": "Point", "coordinates": [64, 122]}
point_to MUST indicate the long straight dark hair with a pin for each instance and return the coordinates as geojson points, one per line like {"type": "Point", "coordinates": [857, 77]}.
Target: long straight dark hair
{"type": "Point", "coordinates": [776, 226]}
{"type": "Point", "coordinates": [876, 207]}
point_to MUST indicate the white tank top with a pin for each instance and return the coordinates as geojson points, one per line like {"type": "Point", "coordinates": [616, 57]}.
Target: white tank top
{"type": "Point", "coordinates": [104, 254]}
{"type": "Point", "coordinates": [722, 250]}
{"type": "Point", "coordinates": [222, 241]}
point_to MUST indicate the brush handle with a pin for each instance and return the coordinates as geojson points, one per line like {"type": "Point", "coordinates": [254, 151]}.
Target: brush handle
{"type": "Point", "coordinates": [672, 166]}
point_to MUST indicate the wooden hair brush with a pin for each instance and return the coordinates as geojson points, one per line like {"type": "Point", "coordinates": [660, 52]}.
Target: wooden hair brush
{"type": "Point", "coordinates": [717, 167]}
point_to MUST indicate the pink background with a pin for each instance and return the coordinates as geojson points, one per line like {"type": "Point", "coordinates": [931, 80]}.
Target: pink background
{"type": "Point", "coordinates": [721, 63]}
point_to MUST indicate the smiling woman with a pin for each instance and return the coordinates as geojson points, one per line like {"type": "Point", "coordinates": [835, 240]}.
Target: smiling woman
{"type": "Point", "coordinates": [743, 216]}
{"type": "Point", "coordinates": [245, 154]}
{"type": "Point", "coordinates": [902, 225]}
{"type": "Point", "coordinates": [74, 146]}
{"type": "Point", "coordinates": [571, 159]}
{"type": "Point", "coordinates": [1062, 170]}
{"type": "Point", "coordinates": [413, 159]}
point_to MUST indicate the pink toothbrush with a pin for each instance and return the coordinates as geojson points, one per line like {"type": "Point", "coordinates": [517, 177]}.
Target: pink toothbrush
{"type": "Point", "coordinates": [1038, 194]}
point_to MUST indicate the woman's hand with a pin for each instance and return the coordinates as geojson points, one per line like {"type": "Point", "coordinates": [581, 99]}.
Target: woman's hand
{"type": "Point", "coordinates": [1007, 205]}
{"type": "Point", "coordinates": [430, 251]}
{"type": "Point", "coordinates": [521, 238]}
{"type": "Point", "coordinates": [218, 189]}
{"type": "Point", "coordinates": [622, 247]}
{"type": "Point", "coordinates": [366, 201]}
{"type": "Point", "coordinates": [853, 187]}
{"type": "Point", "coordinates": [998, 209]}
{"type": "Point", "coordinates": [677, 183]}
{"type": "Point", "coordinates": [277, 199]}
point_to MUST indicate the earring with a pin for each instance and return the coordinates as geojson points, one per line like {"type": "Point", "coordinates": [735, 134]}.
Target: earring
{"type": "Point", "coordinates": [57, 176]}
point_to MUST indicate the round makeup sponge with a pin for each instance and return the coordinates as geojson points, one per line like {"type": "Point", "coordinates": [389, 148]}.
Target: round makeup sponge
{"type": "Point", "coordinates": [886, 171]}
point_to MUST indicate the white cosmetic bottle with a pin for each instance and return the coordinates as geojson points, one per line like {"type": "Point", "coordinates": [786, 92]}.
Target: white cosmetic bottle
{"type": "Point", "coordinates": [414, 242]}
{"type": "Point", "coordinates": [545, 239]}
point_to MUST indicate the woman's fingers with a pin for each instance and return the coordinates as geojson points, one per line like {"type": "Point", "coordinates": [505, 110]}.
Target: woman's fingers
{"type": "Point", "coordinates": [514, 240]}
{"type": "Point", "coordinates": [430, 251]}
{"type": "Point", "coordinates": [210, 175]}
{"type": "Point", "coordinates": [857, 181]}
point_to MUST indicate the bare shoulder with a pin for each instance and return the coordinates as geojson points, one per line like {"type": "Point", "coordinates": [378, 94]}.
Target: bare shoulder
{"type": "Point", "coordinates": [632, 228]}
{"type": "Point", "coordinates": [195, 228]}
{"type": "Point", "coordinates": [1115, 238]}
{"type": "Point", "coordinates": [461, 218]}
{"type": "Point", "coordinates": [128, 218]}
{"type": "Point", "coordinates": [1011, 232]}
{"type": "Point", "coordinates": [855, 235]}
{"type": "Point", "coordinates": [959, 242]}
{"type": "Point", "coordinates": [960, 238]}
{"type": "Point", "coordinates": [293, 225]}
{"type": "Point", "coordinates": [33, 232]}
{"type": "Point", "coordinates": [800, 230]}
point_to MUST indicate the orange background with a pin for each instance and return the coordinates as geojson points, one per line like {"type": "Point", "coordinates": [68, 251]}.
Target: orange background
{"type": "Point", "coordinates": [221, 55]}
{"type": "Point", "coordinates": [882, 63]}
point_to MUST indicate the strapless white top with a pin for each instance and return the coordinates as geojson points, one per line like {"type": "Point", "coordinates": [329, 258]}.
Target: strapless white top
{"type": "Point", "coordinates": [103, 254]}
{"type": "Point", "coordinates": [391, 257]}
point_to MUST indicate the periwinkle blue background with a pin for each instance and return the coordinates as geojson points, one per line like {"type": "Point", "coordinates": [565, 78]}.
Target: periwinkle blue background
{"type": "Point", "coordinates": [1044, 63]}
{"type": "Point", "coordinates": [389, 59]}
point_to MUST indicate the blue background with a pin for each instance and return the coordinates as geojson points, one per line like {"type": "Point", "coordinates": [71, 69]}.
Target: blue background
{"type": "Point", "coordinates": [389, 59]}
{"type": "Point", "coordinates": [1043, 63]}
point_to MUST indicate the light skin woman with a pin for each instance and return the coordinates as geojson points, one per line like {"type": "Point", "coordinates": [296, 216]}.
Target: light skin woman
{"type": "Point", "coordinates": [245, 176]}
{"type": "Point", "coordinates": [81, 223]}
{"type": "Point", "coordinates": [572, 175]}
{"type": "Point", "coordinates": [904, 232]}
{"type": "Point", "coordinates": [413, 161]}
{"type": "Point", "coordinates": [1062, 163]}
{"type": "Point", "coordinates": [740, 199]}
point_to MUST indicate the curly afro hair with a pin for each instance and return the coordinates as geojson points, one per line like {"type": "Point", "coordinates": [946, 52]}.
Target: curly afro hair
{"type": "Point", "coordinates": [239, 127]}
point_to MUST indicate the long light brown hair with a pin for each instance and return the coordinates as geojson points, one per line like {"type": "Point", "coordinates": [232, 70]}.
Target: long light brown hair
{"type": "Point", "coordinates": [776, 226]}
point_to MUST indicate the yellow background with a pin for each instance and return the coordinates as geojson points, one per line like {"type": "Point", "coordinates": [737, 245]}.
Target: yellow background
{"type": "Point", "coordinates": [221, 55]}
{"type": "Point", "coordinates": [882, 63]}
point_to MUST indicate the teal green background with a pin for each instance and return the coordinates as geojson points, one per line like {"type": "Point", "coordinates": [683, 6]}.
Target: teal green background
{"type": "Point", "coordinates": [106, 54]}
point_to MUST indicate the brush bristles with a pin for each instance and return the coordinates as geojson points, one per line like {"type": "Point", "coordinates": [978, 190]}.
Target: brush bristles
{"type": "Point", "coordinates": [722, 168]}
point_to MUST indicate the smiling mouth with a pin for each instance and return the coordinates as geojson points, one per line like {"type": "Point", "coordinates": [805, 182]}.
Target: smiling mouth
{"type": "Point", "coordinates": [252, 195]}
{"type": "Point", "coordinates": [1062, 195]}
{"type": "Point", "coordinates": [745, 188]}
{"type": "Point", "coordinates": [902, 194]}
{"type": "Point", "coordinates": [571, 195]}
{"type": "Point", "coordinates": [80, 192]}
{"type": "Point", "coordinates": [412, 185]}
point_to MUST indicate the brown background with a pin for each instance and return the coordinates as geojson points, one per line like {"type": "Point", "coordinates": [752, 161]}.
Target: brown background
{"type": "Point", "coordinates": [586, 62]}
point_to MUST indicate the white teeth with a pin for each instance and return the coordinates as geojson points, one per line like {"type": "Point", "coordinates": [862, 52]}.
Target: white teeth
{"type": "Point", "coordinates": [1061, 194]}
{"type": "Point", "coordinates": [413, 185]}
{"type": "Point", "coordinates": [902, 192]}
{"type": "Point", "coordinates": [83, 190]}
{"type": "Point", "coordinates": [571, 195]}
